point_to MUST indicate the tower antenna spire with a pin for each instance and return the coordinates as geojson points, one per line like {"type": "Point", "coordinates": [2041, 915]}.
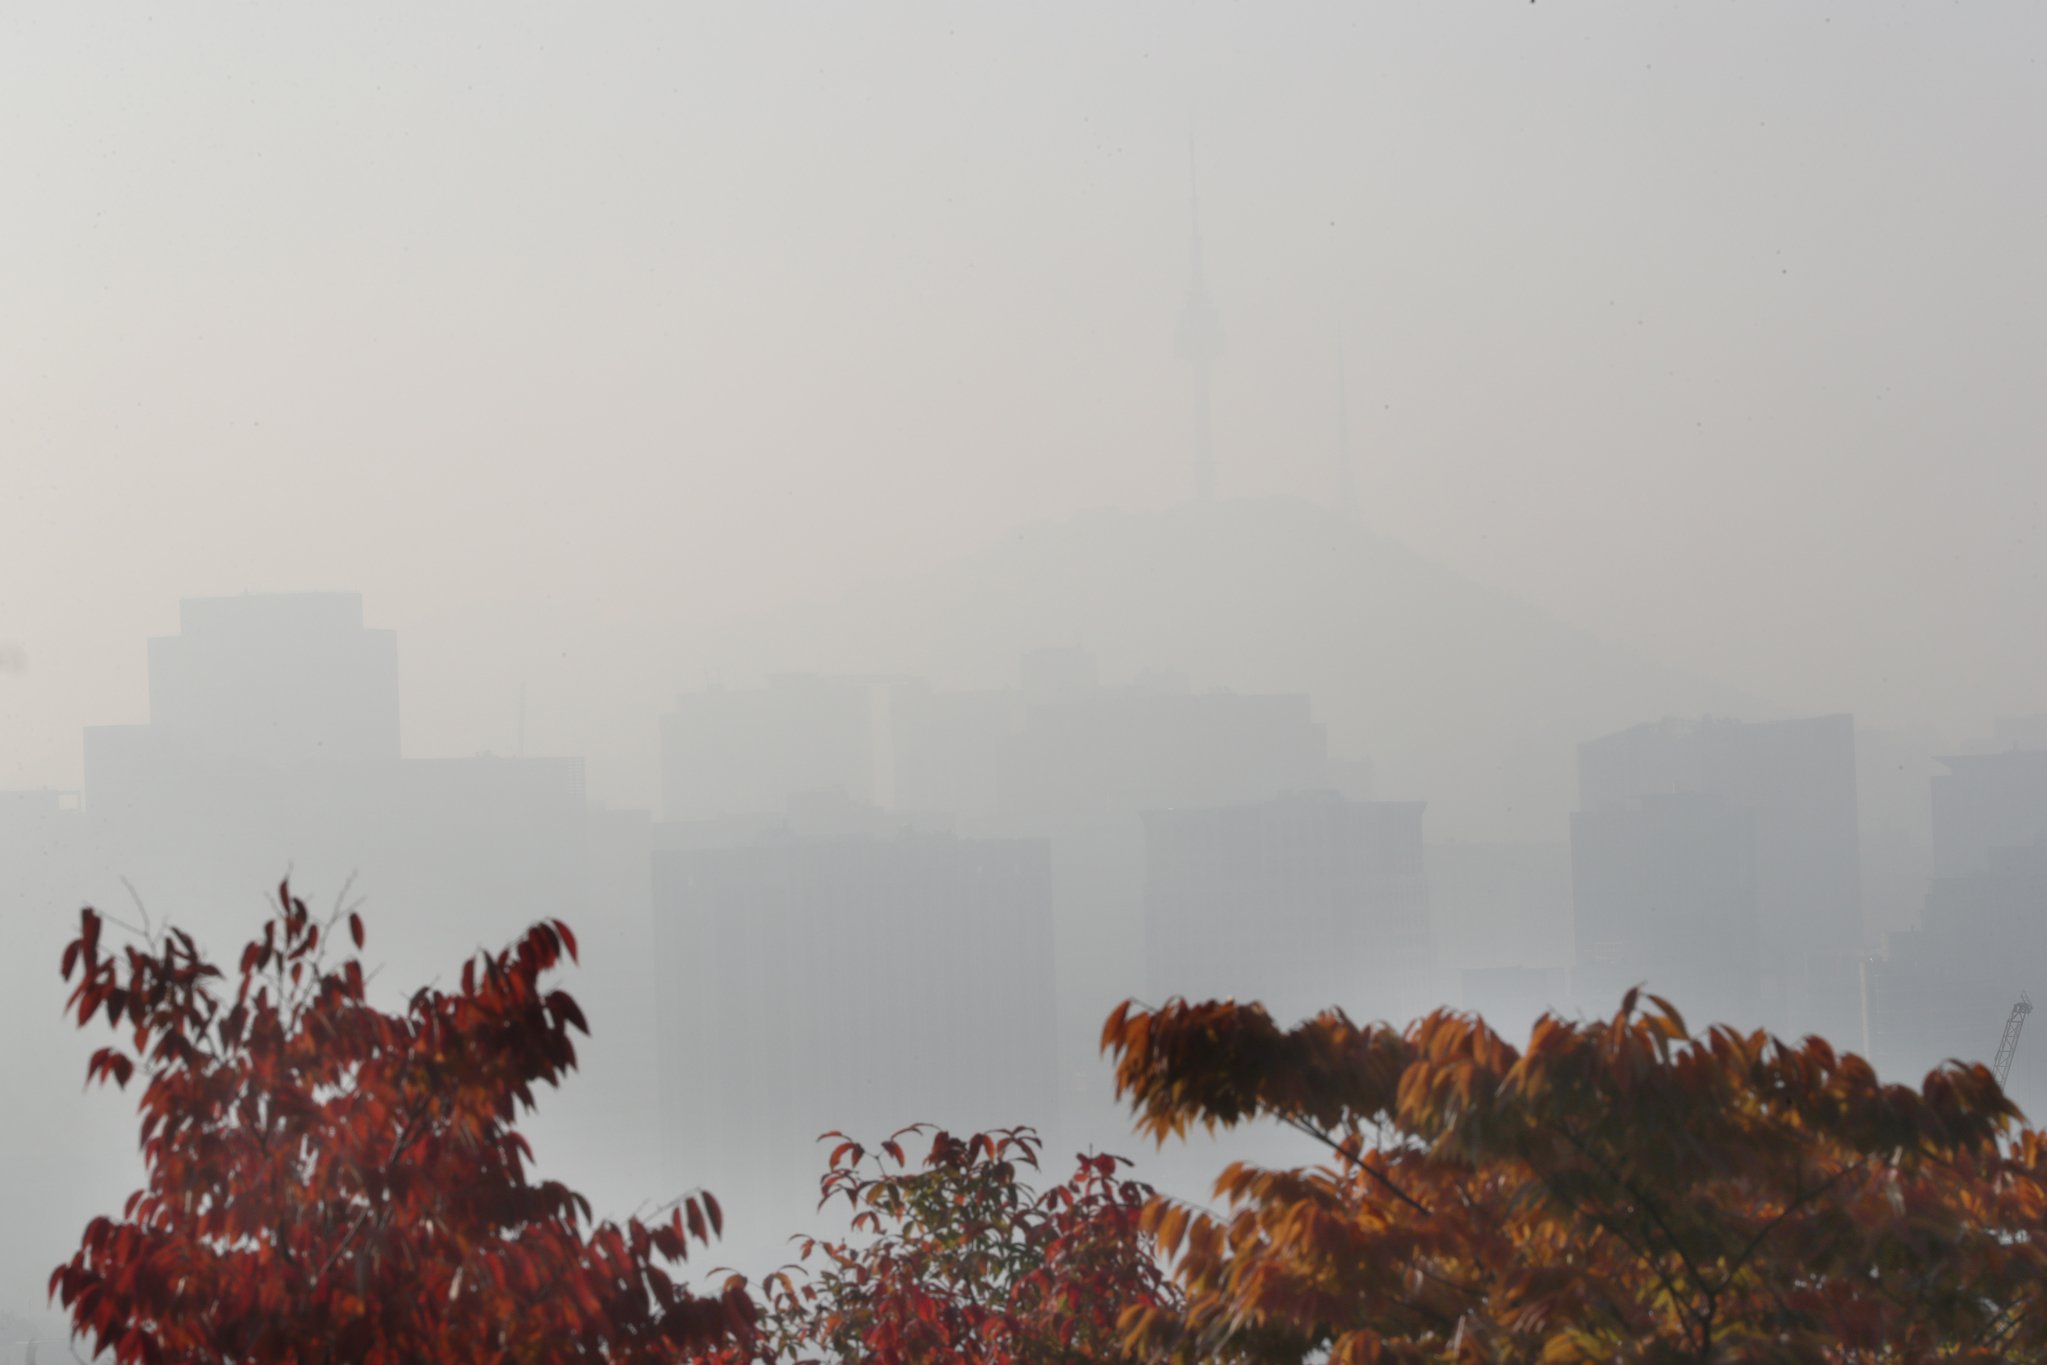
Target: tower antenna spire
{"type": "Point", "coordinates": [1200, 338]}
{"type": "Point", "coordinates": [1346, 478]}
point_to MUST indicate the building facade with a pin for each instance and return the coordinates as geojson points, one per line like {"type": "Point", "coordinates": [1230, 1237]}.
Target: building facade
{"type": "Point", "coordinates": [1796, 781]}
{"type": "Point", "coordinates": [858, 984]}
{"type": "Point", "coordinates": [1302, 902]}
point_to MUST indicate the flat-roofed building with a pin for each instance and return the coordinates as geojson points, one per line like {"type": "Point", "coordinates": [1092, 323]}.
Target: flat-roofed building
{"type": "Point", "coordinates": [1302, 902]}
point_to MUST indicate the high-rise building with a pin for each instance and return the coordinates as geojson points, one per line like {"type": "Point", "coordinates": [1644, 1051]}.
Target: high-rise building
{"type": "Point", "coordinates": [277, 678]}
{"type": "Point", "coordinates": [2019, 732]}
{"type": "Point", "coordinates": [272, 750]}
{"type": "Point", "coordinates": [858, 984]}
{"type": "Point", "coordinates": [1302, 902]}
{"type": "Point", "coordinates": [1942, 991]}
{"type": "Point", "coordinates": [1797, 781]}
{"type": "Point", "coordinates": [1984, 802]}
{"type": "Point", "coordinates": [1943, 987]}
{"type": "Point", "coordinates": [952, 751]}
{"type": "Point", "coordinates": [1665, 887]}
{"type": "Point", "coordinates": [735, 751]}
{"type": "Point", "coordinates": [1066, 757]}
{"type": "Point", "coordinates": [1064, 750]}
{"type": "Point", "coordinates": [1511, 999]}
{"type": "Point", "coordinates": [42, 844]}
{"type": "Point", "coordinates": [1120, 751]}
{"type": "Point", "coordinates": [1087, 765]}
{"type": "Point", "coordinates": [1892, 771]}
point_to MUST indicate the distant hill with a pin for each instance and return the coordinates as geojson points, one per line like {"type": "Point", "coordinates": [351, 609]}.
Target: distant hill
{"type": "Point", "coordinates": [1460, 693]}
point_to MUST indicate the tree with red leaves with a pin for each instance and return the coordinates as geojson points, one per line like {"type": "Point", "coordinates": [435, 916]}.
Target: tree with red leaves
{"type": "Point", "coordinates": [963, 1261]}
{"type": "Point", "coordinates": [328, 1182]}
{"type": "Point", "coordinates": [1620, 1189]}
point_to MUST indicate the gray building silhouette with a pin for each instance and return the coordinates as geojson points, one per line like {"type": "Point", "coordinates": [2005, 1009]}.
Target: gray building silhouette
{"type": "Point", "coordinates": [1796, 779]}
{"type": "Point", "coordinates": [1665, 886]}
{"type": "Point", "coordinates": [276, 678]}
{"type": "Point", "coordinates": [1302, 902]}
{"type": "Point", "coordinates": [1984, 802]}
{"type": "Point", "coordinates": [733, 751]}
{"type": "Point", "coordinates": [856, 982]}
{"type": "Point", "coordinates": [1943, 990]}
{"type": "Point", "coordinates": [272, 750]}
{"type": "Point", "coordinates": [1503, 919]}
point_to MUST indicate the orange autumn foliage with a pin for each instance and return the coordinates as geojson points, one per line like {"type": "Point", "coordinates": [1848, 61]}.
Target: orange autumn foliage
{"type": "Point", "coordinates": [1619, 1190]}
{"type": "Point", "coordinates": [329, 1182]}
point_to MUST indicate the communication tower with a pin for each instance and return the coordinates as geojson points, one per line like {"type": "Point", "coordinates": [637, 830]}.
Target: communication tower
{"type": "Point", "coordinates": [1200, 343]}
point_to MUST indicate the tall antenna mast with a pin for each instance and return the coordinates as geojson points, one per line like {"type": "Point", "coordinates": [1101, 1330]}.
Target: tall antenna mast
{"type": "Point", "coordinates": [1346, 489]}
{"type": "Point", "coordinates": [1200, 340]}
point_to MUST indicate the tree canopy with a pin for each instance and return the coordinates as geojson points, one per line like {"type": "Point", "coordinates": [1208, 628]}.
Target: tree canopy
{"type": "Point", "coordinates": [1618, 1190]}
{"type": "Point", "coordinates": [328, 1181]}
{"type": "Point", "coordinates": [959, 1259]}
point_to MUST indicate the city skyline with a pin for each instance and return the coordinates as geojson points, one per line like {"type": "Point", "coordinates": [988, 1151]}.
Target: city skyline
{"type": "Point", "coordinates": [1083, 838]}
{"type": "Point", "coordinates": [984, 567]}
{"type": "Point", "coordinates": [1530, 372]}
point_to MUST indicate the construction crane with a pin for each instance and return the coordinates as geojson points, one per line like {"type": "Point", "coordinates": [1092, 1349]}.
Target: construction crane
{"type": "Point", "coordinates": [2009, 1044]}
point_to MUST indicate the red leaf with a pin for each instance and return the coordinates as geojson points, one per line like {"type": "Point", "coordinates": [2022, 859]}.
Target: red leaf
{"type": "Point", "coordinates": [568, 1011]}
{"type": "Point", "coordinates": [717, 1214]}
{"type": "Point", "coordinates": [696, 1221]}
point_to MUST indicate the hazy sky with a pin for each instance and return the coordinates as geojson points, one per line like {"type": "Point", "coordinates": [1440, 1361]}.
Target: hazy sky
{"type": "Point", "coordinates": [566, 332]}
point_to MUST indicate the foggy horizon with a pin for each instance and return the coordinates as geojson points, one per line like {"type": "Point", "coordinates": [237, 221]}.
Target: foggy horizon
{"type": "Point", "coordinates": [909, 528]}
{"type": "Point", "coordinates": [231, 364]}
